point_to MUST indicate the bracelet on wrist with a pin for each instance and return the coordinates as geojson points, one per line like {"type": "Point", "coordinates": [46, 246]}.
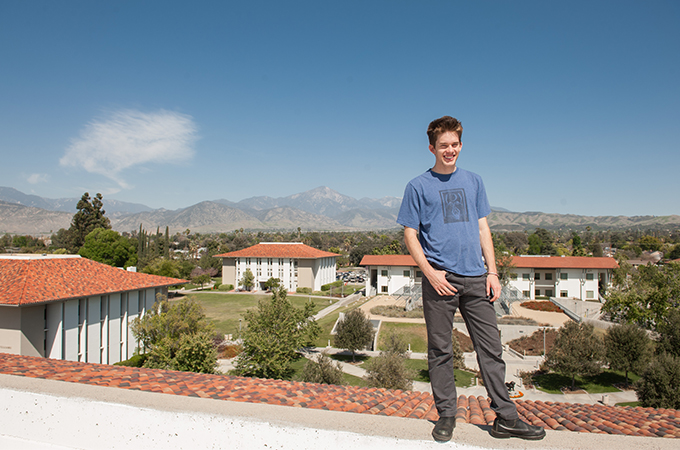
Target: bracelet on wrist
{"type": "Point", "coordinates": [493, 273]}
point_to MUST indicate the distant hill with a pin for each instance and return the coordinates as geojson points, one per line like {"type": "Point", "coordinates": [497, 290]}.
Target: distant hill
{"type": "Point", "coordinates": [320, 209]}
{"type": "Point", "coordinates": [112, 207]}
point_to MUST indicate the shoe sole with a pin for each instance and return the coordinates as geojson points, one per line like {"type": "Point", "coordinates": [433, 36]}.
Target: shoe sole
{"type": "Point", "coordinates": [506, 435]}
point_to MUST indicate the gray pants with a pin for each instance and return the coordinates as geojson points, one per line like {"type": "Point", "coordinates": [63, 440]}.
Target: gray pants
{"type": "Point", "coordinates": [480, 319]}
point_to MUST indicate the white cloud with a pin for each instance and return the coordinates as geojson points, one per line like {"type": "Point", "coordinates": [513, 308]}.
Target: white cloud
{"type": "Point", "coordinates": [127, 138]}
{"type": "Point", "coordinates": [36, 178]}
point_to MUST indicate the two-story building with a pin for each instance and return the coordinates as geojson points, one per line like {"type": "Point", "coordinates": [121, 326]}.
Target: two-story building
{"type": "Point", "coordinates": [576, 277]}
{"type": "Point", "coordinates": [72, 308]}
{"type": "Point", "coordinates": [293, 263]}
{"type": "Point", "coordinates": [389, 273]}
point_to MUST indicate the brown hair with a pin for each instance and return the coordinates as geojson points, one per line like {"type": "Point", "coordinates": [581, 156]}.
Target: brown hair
{"type": "Point", "coordinates": [444, 125]}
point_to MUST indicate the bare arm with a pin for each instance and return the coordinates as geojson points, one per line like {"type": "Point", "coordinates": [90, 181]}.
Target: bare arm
{"type": "Point", "coordinates": [492, 281]}
{"type": "Point", "coordinates": [437, 278]}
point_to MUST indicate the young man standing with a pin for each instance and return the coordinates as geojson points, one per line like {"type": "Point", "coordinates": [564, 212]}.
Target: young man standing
{"type": "Point", "coordinates": [445, 228]}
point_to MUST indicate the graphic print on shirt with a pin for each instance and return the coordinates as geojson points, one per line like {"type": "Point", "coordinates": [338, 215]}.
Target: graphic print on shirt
{"type": "Point", "coordinates": [454, 205]}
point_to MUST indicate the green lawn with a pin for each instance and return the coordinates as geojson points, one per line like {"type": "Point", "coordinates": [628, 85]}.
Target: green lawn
{"type": "Point", "coordinates": [463, 378]}
{"type": "Point", "coordinates": [414, 333]}
{"type": "Point", "coordinates": [225, 310]}
{"type": "Point", "coordinates": [598, 384]}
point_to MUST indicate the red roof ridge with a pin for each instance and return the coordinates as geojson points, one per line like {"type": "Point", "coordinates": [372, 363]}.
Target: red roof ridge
{"type": "Point", "coordinates": [278, 250]}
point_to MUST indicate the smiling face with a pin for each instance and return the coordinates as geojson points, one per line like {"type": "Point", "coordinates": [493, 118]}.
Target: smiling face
{"type": "Point", "coordinates": [446, 151]}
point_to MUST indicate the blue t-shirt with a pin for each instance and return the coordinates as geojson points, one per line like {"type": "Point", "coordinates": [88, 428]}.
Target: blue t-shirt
{"type": "Point", "coordinates": [446, 209]}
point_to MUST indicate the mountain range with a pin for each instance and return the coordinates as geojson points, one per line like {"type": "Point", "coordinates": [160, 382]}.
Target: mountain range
{"type": "Point", "coordinates": [320, 209]}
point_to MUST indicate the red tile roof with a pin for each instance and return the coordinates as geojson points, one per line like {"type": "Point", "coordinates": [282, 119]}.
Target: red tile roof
{"type": "Point", "coordinates": [388, 260]}
{"type": "Point", "coordinates": [564, 262]}
{"type": "Point", "coordinates": [279, 250]}
{"type": "Point", "coordinates": [35, 279]}
{"type": "Point", "coordinates": [418, 405]}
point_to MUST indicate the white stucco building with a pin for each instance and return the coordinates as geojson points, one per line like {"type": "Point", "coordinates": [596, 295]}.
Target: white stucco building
{"type": "Point", "coordinates": [72, 308]}
{"type": "Point", "coordinates": [575, 277]}
{"type": "Point", "coordinates": [293, 263]}
{"type": "Point", "coordinates": [389, 273]}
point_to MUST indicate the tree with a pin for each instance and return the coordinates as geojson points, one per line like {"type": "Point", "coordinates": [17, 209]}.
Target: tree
{"type": "Point", "coordinates": [248, 280]}
{"type": "Point", "coordinates": [629, 348]}
{"type": "Point", "coordinates": [646, 297]}
{"type": "Point", "coordinates": [354, 332]}
{"type": "Point", "coordinates": [200, 276]}
{"type": "Point", "coordinates": [659, 386]}
{"type": "Point", "coordinates": [89, 216]}
{"type": "Point", "coordinates": [650, 243]}
{"type": "Point", "coordinates": [274, 333]}
{"type": "Point", "coordinates": [577, 351]}
{"type": "Point", "coordinates": [176, 336]}
{"type": "Point", "coordinates": [163, 267]}
{"type": "Point", "coordinates": [109, 247]}
{"type": "Point", "coordinates": [323, 370]}
{"type": "Point", "coordinates": [669, 333]}
{"type": "Point", "coordinates": [272, 283]}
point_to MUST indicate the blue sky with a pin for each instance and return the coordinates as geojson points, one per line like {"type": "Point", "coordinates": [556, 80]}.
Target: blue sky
{"type": "Point", "coordinates": [568, 107]}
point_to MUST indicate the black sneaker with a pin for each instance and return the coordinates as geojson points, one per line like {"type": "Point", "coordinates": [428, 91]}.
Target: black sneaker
{"type": "Point", "coordinates": [503, 429]}
{"type": "Point", "coordinates": [443, 429]}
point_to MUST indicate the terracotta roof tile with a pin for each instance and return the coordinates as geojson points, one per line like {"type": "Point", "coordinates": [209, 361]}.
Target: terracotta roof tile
{"type": "Point", "coordinates": [565, 262]}
{"type": "Point", "coordinates": [25, 281]}
{"type": "Point", "coordinates": [278, 250]}
{"type": "Point", "coordinates": [418, 405]}
{"type": "Point", "coordinates": [388, 260]}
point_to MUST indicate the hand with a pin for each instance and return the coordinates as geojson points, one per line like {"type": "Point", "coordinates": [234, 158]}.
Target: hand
{"type": "Point", "coordinates": [440, 284]}
{"type": "Point", "coordinates": [493, 283]}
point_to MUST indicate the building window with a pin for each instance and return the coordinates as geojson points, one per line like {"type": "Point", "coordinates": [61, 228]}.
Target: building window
{"type": "Point", "coordinates": [526, 294]}
{"type": "Point", "coordinates": [564, 293]}
{"type": "Point", "coordinates": [564, 276]}
{"type": "Point", "coordinates": [537, 292]}
{"type": "Point", "coordinates": [383, 289]}
{"type": "Point", "coordinates": [525, 276]}
{"type": "Point", "coordinates": [549, 293]}
{"type": "Point", "coordinates": [590, 276]}
{"type": "Point", "coordinates": [407, 273]}
{"type": "Point", "coordinates": [548, 277]}
{"type": "Point", "coordinates": [383, 273]}
{"type": "Point", "coordinates": [537, 276]}
{"type": "Point", "coordinates": [590, 294]}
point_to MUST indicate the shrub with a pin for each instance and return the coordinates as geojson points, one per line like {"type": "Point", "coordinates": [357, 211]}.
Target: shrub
{"type": "Point", "coordinates": [135, 361]}
{"type": "Point", "coordinates": [175, 333]}
{"type": "Point", "coordinates": [327, 287]}
{"type": "Point", "coordinates": [546, 306]}
{"type": "Point", "coordinates": [226, 287]}
{"type": "Point", "coordinates": [322, 369]}
{"type": "Point", "coordinates": [659, 386]}
{"type": "Point", "coordinates": [389, 371]}
{"type": "Point", "coordinates": [303, 290]}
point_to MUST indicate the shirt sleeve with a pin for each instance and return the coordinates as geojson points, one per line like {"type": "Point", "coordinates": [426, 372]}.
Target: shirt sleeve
{"type": "Point", "coordinates": [409, 212]}
{"type": "Point", "coordinates": [483, 207]}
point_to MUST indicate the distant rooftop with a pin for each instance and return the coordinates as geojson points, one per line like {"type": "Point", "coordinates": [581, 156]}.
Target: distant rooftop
{"type": "Point", "coordinates": [35, 279]}
{"type": "Point", "coordinates": [278, 250]}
